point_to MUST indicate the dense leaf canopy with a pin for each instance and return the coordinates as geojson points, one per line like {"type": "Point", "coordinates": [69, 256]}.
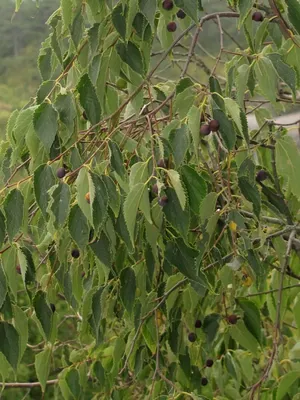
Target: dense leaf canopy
{"type": "Point", "coordinates": [148, 237]}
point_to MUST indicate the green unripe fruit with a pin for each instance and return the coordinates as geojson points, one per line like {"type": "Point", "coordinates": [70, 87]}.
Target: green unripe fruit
{"type": "Point", "coordinates": [121, 83]}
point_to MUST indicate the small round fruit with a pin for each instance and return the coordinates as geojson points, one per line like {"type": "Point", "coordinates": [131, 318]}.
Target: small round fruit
{"type": "Point", "coordinates": [205, 130]}
{"type": "Point", "coordinates": [162, 201]}
{"type": "Point", "coordinates": [161, 163]}
{"type": "Point", "coordinates": [257, 16]}
{"type": "Point", "coordinates": [198, 323]}
{"type": "Point", "coordinates": [18, 269]}
{"type": "Point", "coordinates": [171, 27]}
{"type": "Point", "coordinates": [53, 308]}
{"type": "Point", "coordinates": [167, 5]}
{"type": "Point", "coordinates": [121, 83]}
{"type": "Point", "coordinates": [214, 125]}
{"type": "Point", "coordinates": [75, 253]}
{"type": "Point", "coordinates": [232, 319]}
{"type": "Point", "coordinates": [61, 172]}
{"type": "Point", "coordinates": [155, 189]}
{"type": "Point", "coordinates": [192, 337]}
{"type": "Point", "coordinates": [88, 197]}
{"type": "Point", "coordinates": [204, 381]}
{"type": "Point", "coordinates": [209, 363]}
{"type": "Point", "coordinates": [84, 114]}
{"type": "Point", "coordinates": [181, 14]}
{"type": "Point", "coordinates": [262, 175]}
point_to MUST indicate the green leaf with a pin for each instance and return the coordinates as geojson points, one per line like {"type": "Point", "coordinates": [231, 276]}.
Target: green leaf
{"type": "Point", "coordinates": [78, 227]}
{"type": "Point", "coordinates": [128, 288]}
{"type": "Point", "coordinates": [234, 111]}
{"type": "Point", "coordinates": [226, 128]}
{"type": "Point", "coordinates": [208, 206]}
{"type": "Point", "coordinates": [183, 102]}
{"type": "Point", "coordinates": [60, 204]}
{"type": "Point", "coordinates": [2, 228]}
{"type": "Point", "coordinates": [77, 28]}
{"type": "Point", "coordinates": [89, 100]}
{"type": "Point", "coordinates": [65, 105]}
{"type": "Point", "coordinates": [190, 7]}
{"type": "Point", "coordinates": [43, 312]}
{"type": "Point", "coordinates": [45, 63]}
{"type": "Point", "coordinates": [211, 325]}
{"type": "Point", "coordinates": [217, 94]}
{"type": "Point", "coordinates": [284, 71]}
{"type": "Point", "coordinates": [266, 78]}
{"type": "Point", "coordinates": [139, 173]}
{"type": "Point", "coordinates": [255, 263]}
{"type": "Point", "coordinates": [42, 366]}
{"type": "Point", "coordinates": [176, 216]}
{"type": "Point", "coordinates": [73, 382]}
{"type": "Point", "coordinates": [137, 195]}
{"type": "Point", "coordinates": [21, 325]}
{"type": "Point", "coordinates": [3, 287]}
{"type": "Point", "coordinates": [245, 6]}
{"type": "Point", "coordinates": [9, 343]}
{"type": "Point", "coordinates": [96, 316]}
{"type": "Point", "coordinates": [251, 317]}
{"type": "Point", "coordinates": [177, 185]}
{"type": "Point", "coordinates": [66, 7]}
{"type": "Point", "coordinates": [45, 124]}
{"type": "Point", "coordinates": [119, 20]}
{"type": "Point", "coordinates": [114, 195]}
{"type": "Point", "coordinates": [43, 180]}
{"type": "Point", "coordinates": [288, 163]}
{"type": "Point", "coordinates": [251, 193]}
{"type": "Point", "coordinates": [100, 201]}
{"type": "Point", "coordinates": [240, 333]}
{"type": "Point", "coordinates": [101, 249]}
{"type": "Point", "coordinates": [241, 83]}
{"type": "Point", "coordinates": [13, 209]}
{"type": "Point", "coordinates": [293, 7]}
{"type": "Point", "coordinates": [116, 158]}
{"type": "Point", "coordinates": [196, 187]}
{"type": "Point", "coordinates": [132, 56]}
{"type": "Point", "coordinates": [179, 141]}
{"type": "Point", "coordinates": [194, 118]}
{"type": "Point", "coordinates": [285, 383]}
{"type": "Point", "coordinates": [148, 9]}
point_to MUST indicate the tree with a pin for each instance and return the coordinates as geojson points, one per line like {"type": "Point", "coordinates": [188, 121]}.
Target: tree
{"type": "Point", "coordinates": [149, 239]}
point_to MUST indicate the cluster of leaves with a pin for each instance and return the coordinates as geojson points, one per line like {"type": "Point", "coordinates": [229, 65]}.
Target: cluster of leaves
{"type": "Point", "coordinates": [143, 217]}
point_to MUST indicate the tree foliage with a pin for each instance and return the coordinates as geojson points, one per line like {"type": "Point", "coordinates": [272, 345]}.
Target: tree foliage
{"type": "Point", "coordinates": [149, 238]}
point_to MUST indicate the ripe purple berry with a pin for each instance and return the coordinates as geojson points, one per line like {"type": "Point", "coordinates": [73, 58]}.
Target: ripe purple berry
{"type": "Point", "coordinates": [232, 319]}
{"type": "Point", "coordinates": [181, 14]}
{"type": "Point", "coordinates": [192, 337]}
{"type": "Point", "coordinates": [209, 363]}
{"type": "Point", "coordinates": [155, 189]}
{"type": "Point", "coordinates": [171, 27]}
{"type": "Point", "coordinates": [261, 175]}
{"type": "Point", "coordinates": [75, 253]}
{"type": "Point", "coordinates": [205, 130]}
{"type": "Point", "coordinates": [198, 323]}
{"type": "Point", "coordinates": [214, 125]}
{"type": "Point", "coordinates": [61, 172]}
{"type": "Point", "coordinates": [162, 163]}
{"type": "Point", "coordinates": [162, 201]}
{"type": "Point", "coordinates": [167, 5]}
{"type": "Point", "coordinates": [204, 381]}
{"type": "Point", "coordinates": [257, 16]}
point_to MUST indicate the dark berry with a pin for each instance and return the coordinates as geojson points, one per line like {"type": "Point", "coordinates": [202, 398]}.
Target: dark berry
{"type": "Point", "coordinates": [61, 172]}
{"type": "Point", "coordinates": [192, 337]}
{"type": "Point", "coordinates": [162, 201]}
{"type": "Point", "coordinates": [52, 306]}
{"type": "Point", "coordinates": [155, 188]}
{"type": "Point", "coordinates": [180, 14]}
{"type": "Point", "coordinates": [171, 27]}
{"type": "Point", "coordinates": [261, 175]}
{"type": "Point", "coordinates": [198, 323]}
{"type": "Point", "coordinates": [85, 115]}
{"type": "Point", "coordinates": [167, 5]}
{"type": "Point", "coordinates": [209, 363]}
{"type": "Point", "coordinates": [205, 130]}
{"type": "Point", "coordinates": [162, 163]}
{"type": "Point", "coordinates": [257, 16]}
{"type": "Point", "coordinates": [18, 269]}
{"type": "Point", "coordinates": [204, 381]}
{"type": "Point", "coordinates": [232, 319]}
{"type": "Point", "coordinates": [214, 125]}
{"type": "Point", "coordinates": [75, 253]}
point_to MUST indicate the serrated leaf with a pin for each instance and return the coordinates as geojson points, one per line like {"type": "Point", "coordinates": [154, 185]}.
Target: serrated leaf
{"type": "Point", "coordinates": [226, 129]}
{"type": "Point", "coordinates": [21, 325]}
{"type": "Point", "coordinates": [293, 7]}
{"type": "Point", "coordinates": [194, 118]}
{"type": "Point", "coordinates": [148, 9]}
{"type": "Point", "coordinates": [132, 56]}
{"type": "Point", "coordinates": [251, 193]}
{"type": "Point", "coordinates": [196, 187]}
{"type": "Point", "coordinates": [43, 312]}
{"type": "Point", "coordinates": [60, 204]}
{"type": "Point", "coordinates": [266, 78]}
{"type": "Point", "coordinates": [251, 317]}
{"type": "Point", "coordinates": [240, 333]}
{"type": "Point", "coordinates": [89, 100]}
{"type": "Point", "coordinates": [116, 158]}
{"type": "Point", "coordinates": [245, 6]}
{"type": "Point", "coordinates": [78, 227]}
{"type": "Point", "coordinates": [114, 195]}
{"type": "Point", "coordinates": [45, 124]}
{"type": "Point", "coordinates": [65, 105]}
{"type": "Point", "coordinates": [179, 141]}
{"type": "Point", "coordinates": [66, 7]}
{"type": "Point", "coordinates": [288, 163]}
{"type": "Point", "coordinates": [208, 206]}
{"type": "Point", "coordinates": [13, 209]}
{"type": "Point", "coordinates": [176, 216]}
{"type": "Point", "coordinates": [119, 20]}
{"type": "Point", "coordinates": [217, 94]}
{"type": "Point", "coordinates": [76, 29]}
{"type": "Point", "coordinates": [22, 125]}
{"type": "Point", "coordinates": [128, 288]}
{"type": "Point", "coordinates": [177, 185]}
{"type": "Point", "coordinates": [42, 366]}
{"type": "Point", "coordinates": [43, 180]}
{"type": "Point", "coordinates": [285, 72]}
{"type": "Point", "coordinates": [100, 201]}
{"type": "Point", "coordinates": [139, 173]}
{"type": "Point", "coordinates": [183, 102]}
{"type": "Point", "coordinates": [26, 265]}
{"type": "Point", "coordinates": [9, 343]}
{"type": "Point", "coordinates": [101, 249]}
{"type": "Point", "coordinates": [2, 228]}
{"type": "Point", "coordinates": [241, 83]}
{"type": "Point", "coordinates": [234, 111]}
{"type": "Point", "coordinates": [73, 382]}
{"type": "Point", "coordinates": [3, 287]}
